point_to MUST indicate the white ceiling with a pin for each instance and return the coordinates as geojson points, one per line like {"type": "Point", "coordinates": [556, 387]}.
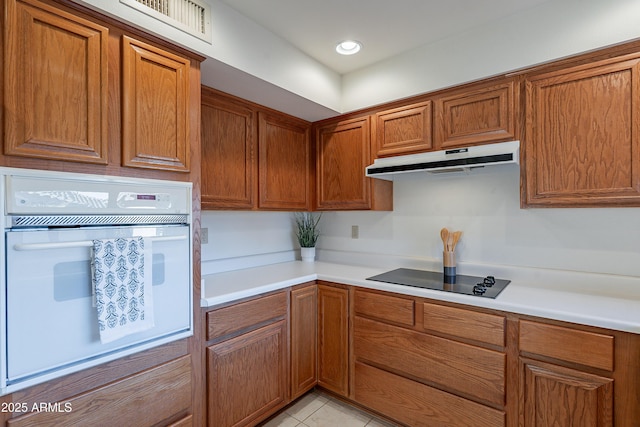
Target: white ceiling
{"type": "Point", "coordinates": [385, 28]}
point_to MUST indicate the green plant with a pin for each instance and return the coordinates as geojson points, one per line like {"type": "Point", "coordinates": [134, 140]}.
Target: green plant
{"type": "Point", "coordinates": [307, 229]}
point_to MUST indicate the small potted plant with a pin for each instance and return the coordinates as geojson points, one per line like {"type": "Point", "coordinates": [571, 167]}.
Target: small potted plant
{"type": "Point", "coordinates": [307, 232]}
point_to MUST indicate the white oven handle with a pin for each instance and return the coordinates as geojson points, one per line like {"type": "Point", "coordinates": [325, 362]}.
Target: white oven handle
{"type": "Point", "coordinates": [79, 244]}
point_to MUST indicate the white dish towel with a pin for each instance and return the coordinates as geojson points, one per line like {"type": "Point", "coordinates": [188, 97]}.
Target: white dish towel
{"type": "Point", "coordinates": [121, 275]}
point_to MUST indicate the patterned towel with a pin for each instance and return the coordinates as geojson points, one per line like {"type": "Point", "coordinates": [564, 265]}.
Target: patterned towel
{"type": "Point", "coordinates": [122, 286]}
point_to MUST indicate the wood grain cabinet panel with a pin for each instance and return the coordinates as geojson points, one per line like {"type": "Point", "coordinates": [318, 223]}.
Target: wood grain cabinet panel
{"type": "Point", "coordinates": [238, 317]}
{"type": "Point", "coordinates": [419, 405]}
{"type": "Point", "coordinates": [454, 366]}
{"type": "Point", "coordinates": [155, 107]}
{"type": "Point", "coordinates": [403, 130]}
{"type": "Point", "coordinates": [565, 398]}
{"type": "Point", "coordinates": [228, 153]}
{"type": "Point", "coordinates": [247, 376]}
{"type": "Point", "coordinates": [582, 135]}
{"type": "Point", "coordinates": [333, 339]}
{"type": "Point", "coordinates": [304, 304]}
{"type": "Point", "coordinates": [476, 115]}
{"type": "Point", "coordinates": [483, 327]}
{"type": "Point", "coordinates": [55, 84]}
{"type": "Point", "coordinates": [571, 345]}
{"type": "Point", "coordinates": [283, 163]}
{"type": "Point", "coordinates": [145, 399]}
{"type": "Point", "coordinates": [385, 307]}
{"type": "Point", "coordinates": [342, 153]}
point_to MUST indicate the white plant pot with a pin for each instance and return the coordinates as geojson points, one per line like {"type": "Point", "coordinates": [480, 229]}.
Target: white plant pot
{"type": "Point", "coordinates": [308, 254]}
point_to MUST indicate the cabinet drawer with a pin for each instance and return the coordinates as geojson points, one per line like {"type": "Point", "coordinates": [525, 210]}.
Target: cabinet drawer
{"type": "Point", "coordinates": [145, 399]}
{"type": "Point", "coordinates": [416, 404]}
{"type": "Point", "coordinates": [488, 328]}
{"type": "Point", "coordinates": [586, 348]}
{"type": "Point", "coordinates": [237, 317]}
{"type": "Point", "coordinates": [385, 307]}
{"type": "Point", "coordinates": [459, 367]}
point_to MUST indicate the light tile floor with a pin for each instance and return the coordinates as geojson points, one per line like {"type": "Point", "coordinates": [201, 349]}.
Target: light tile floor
{"type": "Point", "coordinates": [317, 409]}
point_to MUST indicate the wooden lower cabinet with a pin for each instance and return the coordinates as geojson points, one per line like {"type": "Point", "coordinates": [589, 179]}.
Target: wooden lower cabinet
{"type": "Point", "coordinates": [572, 375]}
{"type": "Point", "coordinates": [562, 397]}
{"type": "Point", "coordinates": [151, 398]}
{"type": "Point", "coordinates": [304, 339]}
{"type": "Point", "coordinates": [333, 338]}
{"type": "Point", "coordinates": [453, 366]}
{"type": "Point", "coordinates": [247, 376]}
{"type": "Point", "coordinates": [416, 361]}
{"type": "Point", "coordinates": [417, 404]}
{"type": "Point", "coordinates": [411, 366]}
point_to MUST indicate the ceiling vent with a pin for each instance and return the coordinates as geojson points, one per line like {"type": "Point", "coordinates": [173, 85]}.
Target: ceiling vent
{"type": "Point", "coordinates": [190, 16]}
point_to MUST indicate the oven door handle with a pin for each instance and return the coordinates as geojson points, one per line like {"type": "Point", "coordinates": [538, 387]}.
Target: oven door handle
{"type": "Point", "coordinates": [80, 244]}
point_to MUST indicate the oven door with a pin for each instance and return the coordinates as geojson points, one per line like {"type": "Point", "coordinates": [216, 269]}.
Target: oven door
{"type": "Point", "coordinates": [52, 326]}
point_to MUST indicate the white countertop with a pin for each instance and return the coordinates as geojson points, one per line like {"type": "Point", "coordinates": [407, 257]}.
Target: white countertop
{"type": "Point", "coordinates": [605, 301]}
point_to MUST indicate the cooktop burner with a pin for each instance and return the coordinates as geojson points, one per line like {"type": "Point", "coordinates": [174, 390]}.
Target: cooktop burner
{"type": "Point", "coordinates": [488, 287]}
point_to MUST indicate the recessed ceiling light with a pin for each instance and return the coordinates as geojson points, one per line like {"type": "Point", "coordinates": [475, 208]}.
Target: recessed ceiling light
{"type": "Point", "coordinates": [348, 47]}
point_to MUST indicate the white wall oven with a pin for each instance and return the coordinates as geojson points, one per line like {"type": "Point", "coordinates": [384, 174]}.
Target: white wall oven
{"type": "Point", "coordinates": [93, 268]}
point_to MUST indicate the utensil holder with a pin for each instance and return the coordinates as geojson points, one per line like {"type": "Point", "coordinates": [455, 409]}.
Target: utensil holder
{"type": "Point", "coordinates": [449, 266]}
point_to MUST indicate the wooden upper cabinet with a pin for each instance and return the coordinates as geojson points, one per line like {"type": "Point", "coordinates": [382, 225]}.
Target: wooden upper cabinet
{"type": "Point", "coordinates": [252, 157]}
{"type": "Point", "coordinates": [55, 84]}
{"type": "Point", "coordinates": [342, 153]}
{"type": "Point", "coordinates": [228, 150]}
{"type": "Point", "coordinates": [283, 163]}
{"type": "Point", "coordinates": [155, 107]}
{"type": "Point", "coordinates": [478, 114]}
{"type": "Point", "coordinates": [403, 130]}
{"type": "Point", "coordinates": [582, 135]}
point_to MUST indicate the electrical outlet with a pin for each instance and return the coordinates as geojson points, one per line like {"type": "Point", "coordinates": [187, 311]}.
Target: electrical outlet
{"type": "Point", "coordinates": [355, 231]}
{"type": "Point", "coordinates": [204, 236]}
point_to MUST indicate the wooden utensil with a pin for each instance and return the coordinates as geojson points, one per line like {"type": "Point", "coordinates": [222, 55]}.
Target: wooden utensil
{"type": "Point", "coordinates": [456, 239]}
{"type": "Point", "coordinates": [444, 235]}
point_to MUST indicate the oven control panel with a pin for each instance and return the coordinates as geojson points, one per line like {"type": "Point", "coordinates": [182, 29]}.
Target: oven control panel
{"type": "Point", "coordinates": [61, 193]}
{"type": "Point", "coordinates": [128, 200]}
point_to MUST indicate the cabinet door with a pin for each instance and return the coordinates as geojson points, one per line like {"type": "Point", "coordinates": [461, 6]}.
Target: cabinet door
{"type": "Point", "coordinates": [342, 153]}
{"type": "Point", "coordinates": [582, 136]}
{"type": "Point", "coordinates": [55, 84]}
{"type": "Point", "coordinates": [155, 107]}
{"type": "Point", "coordinates": [228, 153]}
{"type": "Point", "coordinates": [403, 130]}
{"type": "Point", "coordinates": [247, 376]}
{"type": "Point", "coordinates": [333, 339]}
{"type": "Point", "coordinates": [283, 164]}
{"type": "Point", "coordinates": [565, 398]}
{"type": "Point", "coordinates": [303, 339]}
{"type": "Point", "coordinates": [477, 115]}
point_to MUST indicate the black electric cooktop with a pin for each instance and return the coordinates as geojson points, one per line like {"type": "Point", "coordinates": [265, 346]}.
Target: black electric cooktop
{"type": "Point", "coordinates": [488, 287]}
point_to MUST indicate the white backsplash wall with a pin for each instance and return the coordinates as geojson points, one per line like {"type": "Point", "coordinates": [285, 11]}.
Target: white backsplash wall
{"type": "Point", "coordinates": [244, 239]}
{"type": "Point", "coordinates": [484, 204]}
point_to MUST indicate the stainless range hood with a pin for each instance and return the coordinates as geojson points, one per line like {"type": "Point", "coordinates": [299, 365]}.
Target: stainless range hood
{"type": "Point", "coordinates": [454, 160]}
